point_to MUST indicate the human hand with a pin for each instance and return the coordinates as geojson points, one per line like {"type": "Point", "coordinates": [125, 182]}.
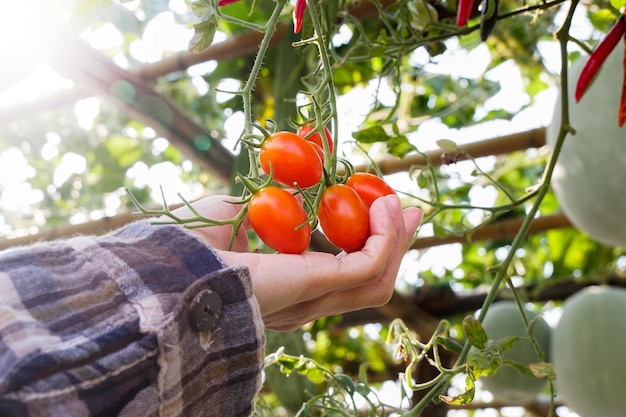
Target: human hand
{"type": "Point", "coordinates": [295, 289]}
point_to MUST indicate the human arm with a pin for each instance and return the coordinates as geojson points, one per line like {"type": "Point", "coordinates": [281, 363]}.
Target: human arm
{"type": "Point", "coordinates": [103, 326]}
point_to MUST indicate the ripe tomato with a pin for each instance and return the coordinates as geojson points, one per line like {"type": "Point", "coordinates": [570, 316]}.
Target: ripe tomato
{"type": "Point", "coordinates": [319, 150]}
{"type": "Point", "coordinates": [369, 186]}
{"type": "Point", "coordinates": [277, 217]}
{"type": "Point", "coordinates": [292, 159]}
{"type": "Point", "coordinates": [316, 137]}
{"type": "Point", "coordinates": [344, 217]}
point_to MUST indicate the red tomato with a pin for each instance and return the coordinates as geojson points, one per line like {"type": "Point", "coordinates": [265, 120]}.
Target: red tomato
{"type": "Point", "coordinates": [319, 150]}
{"type": "Point", "coordinates": [369, 186]}
{"type": "Point", "coordinates": [277, 217]}
{"type": "Point", "coordinates": [316, 137]}
{"type": "Point", "coordinates": [344, 217]}
{"type": "Point", "coordinates": [292, 159]}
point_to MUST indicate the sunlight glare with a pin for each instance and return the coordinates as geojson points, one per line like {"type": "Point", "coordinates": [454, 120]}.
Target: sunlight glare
{"type": "Point", "coordinates": [104, 37]}
{"type": "Point", "coordinates": [86, 111]}
{"type": "Point", "coordinates": [14, 168]}
{"type": "Point", "coordinates": [71, 163]}
{"type": "Point", "coordinates": [29, 30]}
{"type": "Point", "coordinates": [15, 191]}
{"type": "Point", "coordinates": [162, 35]}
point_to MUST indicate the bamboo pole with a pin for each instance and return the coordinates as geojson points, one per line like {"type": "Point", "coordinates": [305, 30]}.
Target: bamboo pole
{"type": "Point", "coordinates": [500, 229]}
{"type": "Point", "coordinates": [534, 138]}
{"type": "Point", "coordinates": [497, 230]}
{"type": "Point", "coordinates": [94, 227]}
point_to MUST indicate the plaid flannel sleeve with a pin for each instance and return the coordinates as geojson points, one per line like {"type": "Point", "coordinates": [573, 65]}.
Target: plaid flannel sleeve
{"type": "Point", "coordinates": [105, 327]}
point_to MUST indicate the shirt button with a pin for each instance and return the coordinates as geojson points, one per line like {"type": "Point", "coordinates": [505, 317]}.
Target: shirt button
{"type": "Point", "coordinates": [205, 311]}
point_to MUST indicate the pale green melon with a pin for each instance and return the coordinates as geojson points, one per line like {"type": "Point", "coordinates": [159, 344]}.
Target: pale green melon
{"type": "Point", "coordinates": [588, 351]}
{"type": "Point", "coordinates": [509, 385]}
{"type": "Point", "coordinates": [589, 179]}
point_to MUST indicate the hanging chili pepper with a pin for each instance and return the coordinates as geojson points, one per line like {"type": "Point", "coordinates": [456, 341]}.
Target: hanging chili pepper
{"type": "Point", "coordinates": [621, 115]}
{"type": "Point", "coordinates": [464, 11]}
{"type": "Point", "coordinates": [599, 54]}
{"type": "Point", "coordinates": [488, 18]}
{"type": "Point", "coordinates": [298, 15]}
{"type": "Point", "coordinates": [225, 2]}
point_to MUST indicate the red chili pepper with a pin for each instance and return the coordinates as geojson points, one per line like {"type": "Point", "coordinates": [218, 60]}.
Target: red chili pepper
{"type": "Point", "coordinates": [621, 115]}
{"type": "Point", "coordinates": [298, 15]}
{"type": "Point", "coordinates": [464, 12]}
{"type": "Point", "coordinates": [225, 2]}
{"type": "Point", "coordinates": [599, 54]}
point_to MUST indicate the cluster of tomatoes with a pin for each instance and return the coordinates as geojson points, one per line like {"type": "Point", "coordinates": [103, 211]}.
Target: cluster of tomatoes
{"type": "Point", "coordinates": [296, 161]}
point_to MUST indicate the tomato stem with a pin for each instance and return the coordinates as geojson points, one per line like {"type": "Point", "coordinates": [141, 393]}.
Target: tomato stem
{"type": "Point", "coordinates": [250, 185]}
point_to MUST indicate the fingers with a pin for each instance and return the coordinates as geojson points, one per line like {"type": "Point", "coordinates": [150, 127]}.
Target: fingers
{"type": "Point", "coordinates": [392, 230]}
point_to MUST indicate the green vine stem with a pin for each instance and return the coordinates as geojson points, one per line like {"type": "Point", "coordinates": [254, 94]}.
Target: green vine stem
{"type": "Point", "coordinates": [194, 222]}
{"type": "Point", "coordinates": [245, 93]}
{"type": "Point", "coordinates": [327, 82]}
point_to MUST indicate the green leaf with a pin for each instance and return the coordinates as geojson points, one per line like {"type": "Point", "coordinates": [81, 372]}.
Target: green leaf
{"type": "Point", "coordinates": [363, 389]}
{"type": "Point", "coordinates": [363, 372]}
{"type": "Point", "coordinates": [400, 146]}
{"type": "Point", "coordinates": [422, 180]}
{"type": "Point", "coordinates": [475, 332]}
{"type": "Point", "coordinates": [464, 398]}
{"type": "Point", "coordinates": [347, 383]}
{"type": "Point", "coordinates": [371, 135]}
{"type": "Point", "coordinates": [508, 342]}
{"type": "Point", "coordinates": [203, 9]}
{"type": "Point", "coordinates": [618, 4]}
{"type": "Point", "coordinates": [603, 19]}
{"type": "Point", "coordinates": [203, 35]}
{"type": "Point", "coordinates": [484, 362]}
{"type": "Point", "coordinates": [448, 145]}
{"type": "Point", "coordinates": [520, 367]}
{"type": "Point", "coordinates": [543, 370]}
{"type": "Point", "coordinates": [315, 375]}
{"type": "Point", "coordinates": [450, 344]}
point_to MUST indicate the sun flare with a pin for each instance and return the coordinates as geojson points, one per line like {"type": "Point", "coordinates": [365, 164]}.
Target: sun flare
{"type": "Point", "coordinates": [29, 30]}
